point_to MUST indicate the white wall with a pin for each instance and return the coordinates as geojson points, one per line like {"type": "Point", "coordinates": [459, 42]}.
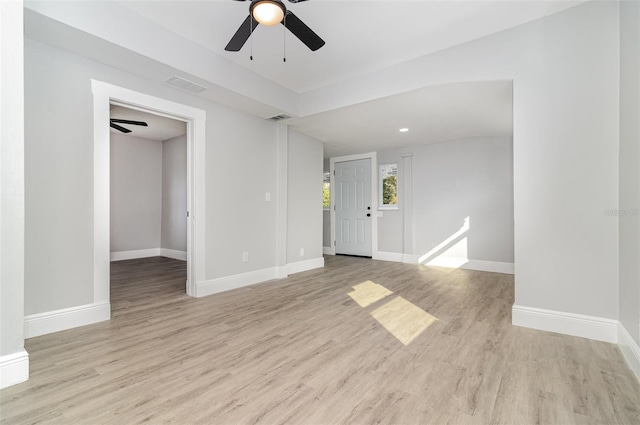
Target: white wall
{"type": "Point", "coordinates": [304, 193]}
{"type": "Point", "coordinates": [14, 361]}
{"type": "Point", "coordinates": [174, 193]}
{"type": "Point", "coordinates": [465, 178]}
{"type": "Point", "coordinates": [241, 151]}
{"type": "Point", "coordinates": [454, 180]}
{"type": "Point", "coordinates": [136, 193]}
{"type": "Point", "coordinates": [629, 220]}
{"type": "Point", "coordinates": [565, 70]}
{"type": "Point", "coordinates": [566, 73]}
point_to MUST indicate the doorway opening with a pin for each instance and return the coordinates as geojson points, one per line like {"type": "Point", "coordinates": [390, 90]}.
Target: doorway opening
{"type": "Point", "coordinates": [104, 97]}
{"type": "Point", "coordinates": [148, 199]}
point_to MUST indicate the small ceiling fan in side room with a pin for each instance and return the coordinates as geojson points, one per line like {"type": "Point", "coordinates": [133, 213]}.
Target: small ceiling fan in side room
{"type": "Point", "coordinates": [113, 121]}
{"type": "Point", "coordinates": [273, 12]}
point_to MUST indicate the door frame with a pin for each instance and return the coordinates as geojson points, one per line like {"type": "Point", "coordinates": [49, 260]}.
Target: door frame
{"type": "Point", "coordinates": [104, 95]}
{"type": "Point", "coordinates": [374, 199]}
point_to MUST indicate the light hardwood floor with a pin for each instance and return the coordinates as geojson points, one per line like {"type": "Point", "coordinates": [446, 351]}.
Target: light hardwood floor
{"type": "Point", "coordinates": [302, 350]}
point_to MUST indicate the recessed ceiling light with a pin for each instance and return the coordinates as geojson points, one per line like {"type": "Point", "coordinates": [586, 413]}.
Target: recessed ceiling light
{"type": "Point", "coordinates": [403, 130]}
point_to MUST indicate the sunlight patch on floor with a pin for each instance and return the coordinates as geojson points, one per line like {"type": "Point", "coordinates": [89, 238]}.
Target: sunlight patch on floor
{"type": "Point", "coordinates": [403, 319]}
{"type": "Point", "coordinates": [368, 292]}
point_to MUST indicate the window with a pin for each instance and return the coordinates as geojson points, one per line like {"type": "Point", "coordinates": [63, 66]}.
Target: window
{"type": "Point", "coordinates": [389, 186]}
{"type": "Point", "coordinates": [326, 191]}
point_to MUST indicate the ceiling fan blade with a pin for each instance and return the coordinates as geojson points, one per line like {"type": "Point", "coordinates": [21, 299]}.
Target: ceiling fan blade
{"type": "Point", "coordinates": [242, 35]}
{"type": "Point", "coordinates": [129, 122]}
{"type": "Point", "coordinates": [296, 1]}
{"type": "Point", "coordinates": [117, 127]}
{"type": "Point", "coordinates": [302, 31]}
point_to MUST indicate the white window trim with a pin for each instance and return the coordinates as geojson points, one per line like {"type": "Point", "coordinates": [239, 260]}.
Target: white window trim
{"type": "Point", "coordinates": [381, 206]}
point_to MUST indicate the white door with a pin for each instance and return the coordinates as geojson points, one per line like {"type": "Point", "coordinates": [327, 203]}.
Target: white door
{"type": "Point", "coordinates": [353, 207]}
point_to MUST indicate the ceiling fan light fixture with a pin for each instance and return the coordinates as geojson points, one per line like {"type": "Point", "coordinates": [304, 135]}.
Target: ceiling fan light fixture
{"type": "Point", "coordinates": [268, 12]}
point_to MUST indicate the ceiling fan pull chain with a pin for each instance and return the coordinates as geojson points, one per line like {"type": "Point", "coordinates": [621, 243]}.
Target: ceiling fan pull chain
{"type": "Point", "coordinates": [284, 39]}
{"type": "Point", "coordinates": [251, 37]}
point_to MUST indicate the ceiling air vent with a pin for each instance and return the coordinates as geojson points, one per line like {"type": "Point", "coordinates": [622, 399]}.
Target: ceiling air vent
{"type": "Point", "coordinates": [279, 118]}
{"type": "Point", "coordinates": [186, 84]}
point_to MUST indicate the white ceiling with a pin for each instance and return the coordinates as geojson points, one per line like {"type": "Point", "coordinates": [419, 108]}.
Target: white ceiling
{"type": "Point", "coordinates": [361, 36]}
{"type": "Point", "coordinates": [159, 128]}
{"type": "Point", "coordinates": [159, 39]}
{"type": "Point", "coordinates": [432, 114]}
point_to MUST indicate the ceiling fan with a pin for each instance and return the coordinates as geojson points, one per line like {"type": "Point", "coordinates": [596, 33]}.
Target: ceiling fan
{"type": "Point", "coordinates": [273, 12]}
{"type": "Point", "coordinates": [113, 121]}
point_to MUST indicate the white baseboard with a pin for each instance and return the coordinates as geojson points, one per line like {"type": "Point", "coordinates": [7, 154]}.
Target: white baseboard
{"type": "Point", "coordinates": [150, 252]}
{"type": "Point", "coordinates": [630, 349]}
{"type": "Point", "coordinates": [410, 258]}
{"type": "Point", "coordinates": [172, 253]}
{"type": "Point", "coordinates": [591, 327]}
{"type": "Point", "coordinates": [489, 266]}
{"type": "Point", "coordinates": [303, 266]}
{"type": "Point", "coordinates": [328, 250]}
{"type": "Point", "coordinates": [14, 368]}
{"type": "Point", "coordinates": [449, 262]}
{"type": "Point", "coordinates": [228, 283]}
{"type": "Point", "coordinates": [478, 265]}
{"type": "Point", "coordinates": [138, 253]}
{"type": "Point", "coordinates": [388, 256]}
{"type": "Point", "coordinates": [67, 318]}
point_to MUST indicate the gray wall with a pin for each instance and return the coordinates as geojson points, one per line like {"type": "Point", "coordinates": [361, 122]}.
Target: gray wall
{"type": "Point", "coordinates": [566, 122]}
{"type": "Point", "coordinates": [174, 193]}
{"type": "Point", "coordinates": [136, 192]}
{"type": "Point", "coordinates": [454, 180]}
{"type": "Point", "coordinates": [241, 150]}
{"type": "Point", "coordinates": [12, 191]}
{"type": "Point", "coordinates": [629, 221]}
{"type": "Point", "coordinates": [304, 194]}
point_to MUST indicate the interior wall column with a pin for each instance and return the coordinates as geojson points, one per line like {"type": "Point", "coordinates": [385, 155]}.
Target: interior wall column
{"type": "Point", "coordinates": [407, 203]}
{"type": "Point", "coordinates": [281, 199]}
{"type": "Point", "coordinates": [14, 360]}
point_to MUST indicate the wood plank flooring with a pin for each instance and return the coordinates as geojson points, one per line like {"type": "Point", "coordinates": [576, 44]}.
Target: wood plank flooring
{"type": "Point", "coordinates": [301, 350]}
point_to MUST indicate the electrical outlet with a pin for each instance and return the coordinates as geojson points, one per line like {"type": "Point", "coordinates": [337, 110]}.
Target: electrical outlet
{"type": "Point", "coordinates": [245, 257]}
{"type": "Point", "coordinates": [302, 252]}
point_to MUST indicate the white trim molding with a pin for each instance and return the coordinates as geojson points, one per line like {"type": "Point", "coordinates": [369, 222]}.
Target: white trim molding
{"type": "Point", "coordinates": [388, 256]}
{"type": "Point", "coordinates": [328, 250]}
{"type": "Point", "coordinates": [173, 253]}
{"type": "Point", "coordinates": [449, 262]}
{"type": "Point", "coordinates": [303, 266]}
{"type": "Point", "coordinates": [373, 156]}
{"type": "Point", "coordinates": [630, 350]}
{"type": "Point", "coordinates": [137, 253]}
{"type": "Point", "coordinates": [489, 266]}
{"type": "Point", "coordinates": [597, 328]}
{"type": "Point", "coordinates": [150, 252]}
{"type": "Point", "coordinates": [14, 368]}
{"type": "Point", "coordinates": [66, 318]}
{"type": "Point", "coordinates": [104, 95]}
{"type": "Point", "coordinates": [227, 283]}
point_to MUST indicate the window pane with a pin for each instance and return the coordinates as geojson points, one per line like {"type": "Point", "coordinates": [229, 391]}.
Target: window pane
{"type": "Point", "coordinates": [326, 192]}
{"type": "Point", "coordinates": [389, 184]}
